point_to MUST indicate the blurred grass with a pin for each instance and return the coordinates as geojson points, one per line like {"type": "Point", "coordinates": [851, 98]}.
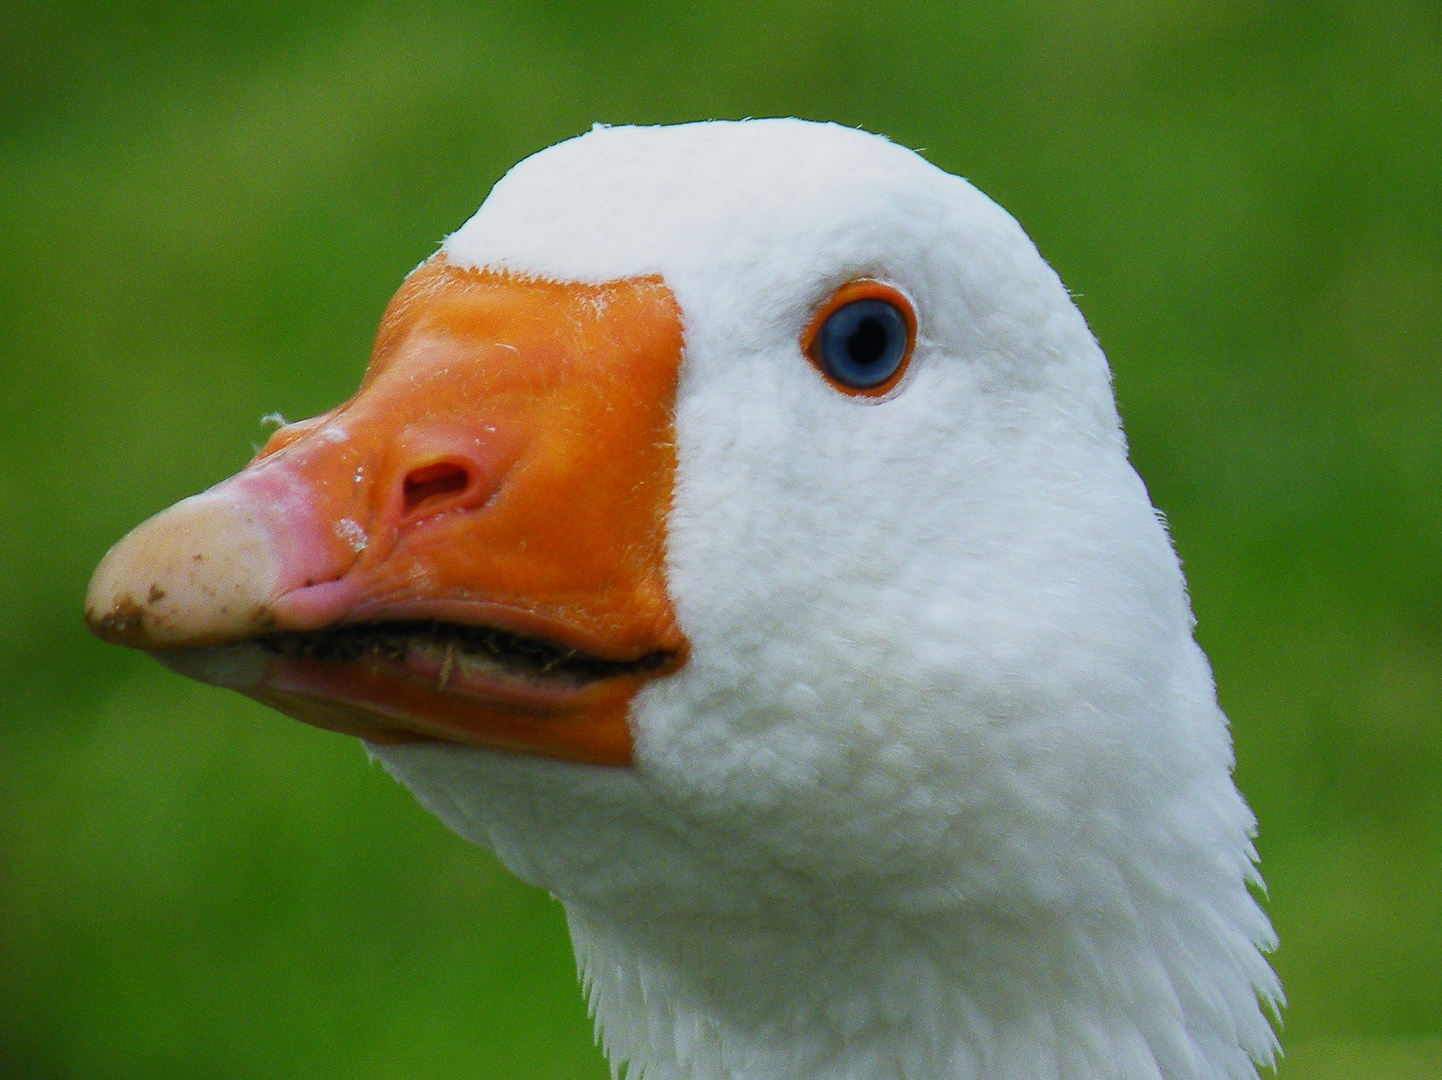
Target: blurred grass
{"type": "Point", "coordinates": [203, 209]}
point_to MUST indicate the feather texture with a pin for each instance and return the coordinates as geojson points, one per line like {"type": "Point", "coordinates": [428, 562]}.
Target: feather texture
{"type": "Point", "coordinates": [944, 789]}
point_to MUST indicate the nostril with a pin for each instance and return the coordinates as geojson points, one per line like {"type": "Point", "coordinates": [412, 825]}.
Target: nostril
{"type": "Point", "coordinates": [432, 483]}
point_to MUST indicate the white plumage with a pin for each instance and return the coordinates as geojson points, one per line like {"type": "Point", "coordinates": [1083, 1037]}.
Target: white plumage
{"type": "Point", "coordinates": [943, 789]}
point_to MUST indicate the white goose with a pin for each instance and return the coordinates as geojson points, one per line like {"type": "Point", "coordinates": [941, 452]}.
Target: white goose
{"type": "Point", "coordinates": [734, 531]}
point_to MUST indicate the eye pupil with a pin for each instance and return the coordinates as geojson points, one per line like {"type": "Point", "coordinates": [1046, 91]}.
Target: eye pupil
{"type": "Point", "coordinates": [867, 344]}
{"type": "Point", "coordinates": [862, 344]}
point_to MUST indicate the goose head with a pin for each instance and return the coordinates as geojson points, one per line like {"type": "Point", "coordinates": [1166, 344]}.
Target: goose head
{"type": "Point", "coordinates": [734, 532]}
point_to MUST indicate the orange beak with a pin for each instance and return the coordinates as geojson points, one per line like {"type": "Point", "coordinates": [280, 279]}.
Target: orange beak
{"type": "Point", "coordinates": [471, 549]}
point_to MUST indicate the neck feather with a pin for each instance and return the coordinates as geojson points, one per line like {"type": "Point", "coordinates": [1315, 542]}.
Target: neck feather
{"type": "Point", "coordinates": [863, 997]}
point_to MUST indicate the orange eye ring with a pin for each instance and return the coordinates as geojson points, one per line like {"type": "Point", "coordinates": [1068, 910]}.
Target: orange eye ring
{"type": "Point", "coordinates": [862, 289]}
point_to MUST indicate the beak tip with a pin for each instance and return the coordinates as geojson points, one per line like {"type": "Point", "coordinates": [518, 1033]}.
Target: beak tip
{"type": "Point", "coordinates": [112, 611]}
{"type": "Point", "coordinates": [120, 621]}
{"type": "Point", "coordinates": [196, 575]}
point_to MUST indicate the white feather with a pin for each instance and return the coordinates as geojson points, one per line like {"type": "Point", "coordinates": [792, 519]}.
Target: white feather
{"type": "Point", "coordinates": [944, 789]}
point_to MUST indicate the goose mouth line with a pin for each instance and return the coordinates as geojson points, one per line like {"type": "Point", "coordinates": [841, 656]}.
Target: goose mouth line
{"type": "Point", "coordinates": [455, 649]}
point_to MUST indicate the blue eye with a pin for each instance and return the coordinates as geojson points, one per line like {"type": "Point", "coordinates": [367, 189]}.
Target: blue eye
{"type": "Point", "coordinates": [861, 345]}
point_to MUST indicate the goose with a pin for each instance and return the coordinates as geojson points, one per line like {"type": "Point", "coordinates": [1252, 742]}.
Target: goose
{"type": "Point", "coordinates": [734, 532]}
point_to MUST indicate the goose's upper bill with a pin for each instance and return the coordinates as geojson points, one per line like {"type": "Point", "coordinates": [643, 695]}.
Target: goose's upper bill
{"type": "Point", "coordinates": [734, 531]}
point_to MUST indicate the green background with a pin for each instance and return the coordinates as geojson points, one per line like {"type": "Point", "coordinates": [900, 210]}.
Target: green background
{"type": "Point", "coordinates": [203, 209]}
